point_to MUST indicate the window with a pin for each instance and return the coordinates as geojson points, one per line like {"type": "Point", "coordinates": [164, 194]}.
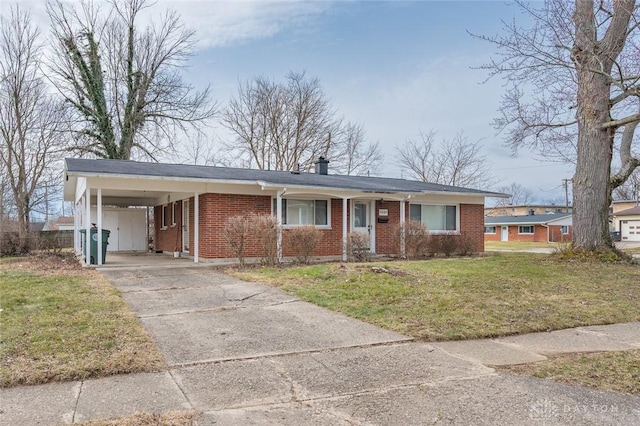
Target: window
{"type": "Point", "coordinates": [165, 215]}
{"type": "Point", "coordinates": [564, 229]}
{"type": "Point", "coordinates": [435, 218]}
{"type": "Point", "coordinates": [173, 213]}
{"type": "Point", "coordinates": [489, 229]}
{"type": "Point", "coordinates": [303, 212]}
{"type": "Point", "coordinates": [526, 229]}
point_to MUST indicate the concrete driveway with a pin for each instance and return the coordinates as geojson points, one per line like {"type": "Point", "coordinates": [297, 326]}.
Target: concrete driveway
{"type": "Point", "coordinates": [245, 353]}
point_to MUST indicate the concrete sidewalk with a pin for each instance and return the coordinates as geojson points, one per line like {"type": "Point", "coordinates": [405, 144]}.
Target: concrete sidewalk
{"type": "Point", "coordinates": [244, 353]}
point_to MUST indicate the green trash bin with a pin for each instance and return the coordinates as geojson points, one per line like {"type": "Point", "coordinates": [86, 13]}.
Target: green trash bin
{"type": "Point", "coordinates": [93, 254]}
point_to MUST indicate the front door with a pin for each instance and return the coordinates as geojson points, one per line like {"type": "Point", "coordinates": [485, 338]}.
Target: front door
{"type": "Point", "coordinates": [361, 221]}
{"type": "Point", "coordinates": [504, 233]}
{"type": "Point", "coordinates": [185, 226]}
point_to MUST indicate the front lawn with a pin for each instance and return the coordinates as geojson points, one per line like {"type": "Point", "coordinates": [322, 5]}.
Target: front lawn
{"type": "Point", "coordinates": [518, 245]}
{"type": "Point", "coordinates": [60, 322]}
{"type": "Point", "coordinates": [465, 298]}
{"type": "Point", "coordinates": [617, 371]}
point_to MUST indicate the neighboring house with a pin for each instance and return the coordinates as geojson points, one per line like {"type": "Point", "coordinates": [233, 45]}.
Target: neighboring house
{"type": "Point", "coordinates": [620, 205]}
{"type": "Point", "coordinates": [525, 209]}
{"type": "Point", "coordinates": [192, 203]}
{"type": "Point", "coordinates": [627, 222]}
{"type": "Point", "coordinates": [62, 223]}
{"type": "Point", "coordinates": [36, 226]}
{"type": "Point", "coordinates": [552, 227]}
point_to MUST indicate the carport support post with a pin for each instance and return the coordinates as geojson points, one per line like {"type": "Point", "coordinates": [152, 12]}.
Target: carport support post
{"type": "Point", "coordinates": [76, 228]}
{"type": "Point", "coordinates": [196, 228]}
{"type": "Point", "coordinates": [87, 240]}
{"type": "Point", "coordinates": [403, 230]}
{"type": "Point", "coordinates": [344, 229]}
{"type": "Point", "coordinates": [279, 224]}
{"type": "Point", "coordinates": [100, 260]}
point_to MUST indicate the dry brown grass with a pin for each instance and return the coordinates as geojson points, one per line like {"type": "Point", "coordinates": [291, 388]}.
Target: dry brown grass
{"type": "Point", "coordinates": [61, 322]}
{"type": "Point", "coordinates": [174, 418]}
{"type": "Point", "coordinates": [617, 371]}
{"type": "Point", "coordinates": [467, 298]}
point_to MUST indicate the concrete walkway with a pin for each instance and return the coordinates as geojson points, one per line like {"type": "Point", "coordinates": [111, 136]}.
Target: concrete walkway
{"type": "Point", "coordinates": [244, 353]}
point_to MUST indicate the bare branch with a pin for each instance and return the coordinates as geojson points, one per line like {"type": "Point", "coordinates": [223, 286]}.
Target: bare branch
{"type": "Point", "coordinates": [122, 80]}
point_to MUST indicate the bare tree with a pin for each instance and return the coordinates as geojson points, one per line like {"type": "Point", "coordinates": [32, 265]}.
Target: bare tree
{"type": "Point", "coordinates": [574, 92]}
{"type": "Point", "coordinates": [287, 126]}
{"type": "Point", "coordinates": [30, 120]}
{"type": "Point", "coordinates": [199, 149]}
{"type": "Point", "coordinates": [281, 126]}
{"type": "Point", "coordinates": [351, 154]}
{"type": "Point", "coordinates": [123, 81]}
{"type": "Point", "coordinates": [456, 161]}
{"type": "Point", "coordinates": [630, 189]}
{"type": "Point", "coordinates": [518, 195]}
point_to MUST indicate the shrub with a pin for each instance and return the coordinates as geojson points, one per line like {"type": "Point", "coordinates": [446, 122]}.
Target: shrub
{"type": "Point", "coordinates": [235, 233]}
{"type": "Point", "coordinates": [445, 243]}
{"type": "Point", "coordinates": [567, 252]}
{"type": "Point", "coordinates": [466, 245]}
{"type": "Point", "coordinates": [359, 246]}
{"type": "Point", "coordinates": [303, 241]}
{"type": "Point", "coordinates": [264, 228]}
{"type": "Point", "coordinates": [416, 239]}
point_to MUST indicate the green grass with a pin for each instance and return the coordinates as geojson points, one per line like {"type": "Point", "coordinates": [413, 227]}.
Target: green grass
{"type": "Point", "coordinates": [68, 324]}
{"type": "Point", "coordinates": [464, 298]}
{"type": "Point", "coordinates": [515, 245]}
{"type": "Point", "coordinates": [617, 371]}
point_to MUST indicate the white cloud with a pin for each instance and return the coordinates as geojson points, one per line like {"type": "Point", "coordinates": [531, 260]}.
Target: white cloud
{"type": "Point", "coordinates": [222, 23]}
{"type": "Point", "coordinates": [216, 23]}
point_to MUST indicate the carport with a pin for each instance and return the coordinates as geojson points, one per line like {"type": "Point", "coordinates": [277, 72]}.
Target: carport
{"type": "Point", "coordinates": [91, 191]}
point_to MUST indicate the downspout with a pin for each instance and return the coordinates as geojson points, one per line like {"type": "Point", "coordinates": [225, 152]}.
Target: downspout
{"type": "Point", "coordinates": [279, 195]}
{"type": "Point", "coordinates": [344, 229]}
{"type": "Point", "coordinates": [548, 232]}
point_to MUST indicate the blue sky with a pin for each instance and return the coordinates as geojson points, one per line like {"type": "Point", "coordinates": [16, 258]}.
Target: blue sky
{"type": "Point", "coordinates": [395, 67]}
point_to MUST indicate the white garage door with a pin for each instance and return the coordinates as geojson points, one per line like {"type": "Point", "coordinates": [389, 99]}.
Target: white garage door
{"type": "Point", "coordinates": [630, 230]}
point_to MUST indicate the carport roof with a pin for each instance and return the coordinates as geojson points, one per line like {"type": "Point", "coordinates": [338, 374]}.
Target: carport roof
{"type": "Point", "coordinates": [125, 168]}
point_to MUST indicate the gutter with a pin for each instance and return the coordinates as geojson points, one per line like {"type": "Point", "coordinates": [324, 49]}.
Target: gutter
{"type": "Point", "coordinates": [264, 184]}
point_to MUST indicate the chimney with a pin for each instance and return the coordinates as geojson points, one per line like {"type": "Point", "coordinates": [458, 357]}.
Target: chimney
{"type": "Point", "coordinates": [322, 166]}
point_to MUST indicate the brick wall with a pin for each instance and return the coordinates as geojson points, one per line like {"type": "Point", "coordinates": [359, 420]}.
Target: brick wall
{"type": "Point", "coordinates": [170, 238]}
{"type": "Point", "coordinates": [214, 210]}
{"type": "Point", "coordinates": [494, 237]}
{"type": "Point", "coordinates": [472, 224]}
{"type": "Point", "coordinates": [386, 241]}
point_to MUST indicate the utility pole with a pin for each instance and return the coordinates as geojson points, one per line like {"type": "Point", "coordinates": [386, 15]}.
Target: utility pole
{"type": "Point", "coordinates": [565, 182]}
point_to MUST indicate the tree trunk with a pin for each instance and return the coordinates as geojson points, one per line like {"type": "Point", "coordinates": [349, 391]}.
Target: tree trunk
{"type": "Point", "coordinates": [594, 60]}
{"type": "Point", "coordinates": [591, 181]}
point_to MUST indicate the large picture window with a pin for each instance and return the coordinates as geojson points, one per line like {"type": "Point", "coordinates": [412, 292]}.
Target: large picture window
{"type": "Point", "coordinates": [525, 229]}
{"type": "Point", "coordinates": [435, 217]}
{"type": "Point", "coordinates": [303, 212]}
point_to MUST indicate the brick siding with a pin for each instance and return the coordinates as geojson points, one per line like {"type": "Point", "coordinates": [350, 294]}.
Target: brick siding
{"type": "Point", "coordinates": [216, 208]}
{"type": "Point", "coordinates": [539, 234]}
